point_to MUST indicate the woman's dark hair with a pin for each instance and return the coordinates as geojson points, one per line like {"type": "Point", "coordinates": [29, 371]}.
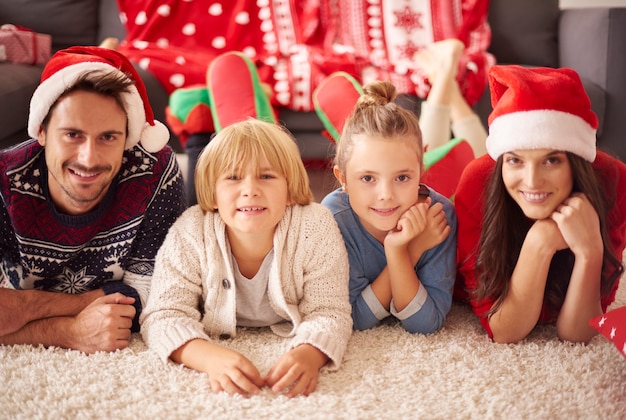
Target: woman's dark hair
{"type": "Point", "coordinates": [505, 227]}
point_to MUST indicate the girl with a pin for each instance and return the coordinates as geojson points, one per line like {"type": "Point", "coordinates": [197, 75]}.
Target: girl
{"type": "Point", "coordinates": [400, 234]}
{"type": "Point", "coordinates": [254, 252]}
{"type": "Point", "coordinates": [542, 218]}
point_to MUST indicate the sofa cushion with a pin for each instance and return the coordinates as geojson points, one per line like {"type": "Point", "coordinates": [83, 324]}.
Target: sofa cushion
{"type": "Point", "coordinates": [525, 32]}
{"type": "Point", "coordinates": [72, 22]}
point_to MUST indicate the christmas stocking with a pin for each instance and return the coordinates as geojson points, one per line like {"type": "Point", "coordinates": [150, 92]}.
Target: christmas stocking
{"type": "Point", "coordinates": [189, 112]}
{"type": "Point", "coordinates": [333, 100]}
{"type": "Point", "coordinates": [235, 91]}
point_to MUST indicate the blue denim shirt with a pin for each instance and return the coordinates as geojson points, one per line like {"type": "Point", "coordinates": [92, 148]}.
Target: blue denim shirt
{"type": "Point", "coordinates": [436, 270]}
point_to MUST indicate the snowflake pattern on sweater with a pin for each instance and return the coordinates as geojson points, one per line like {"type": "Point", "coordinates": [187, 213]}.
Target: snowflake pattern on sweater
{"type": "Point", "coordinates": [112, 247]}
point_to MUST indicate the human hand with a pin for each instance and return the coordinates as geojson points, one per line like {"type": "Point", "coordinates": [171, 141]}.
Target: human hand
{"type": "Point", "coordinates": [579, 224]}
{"type": "Point", "coordinates": [411, 223]}
{"type": "Point", "coordinates": [230, 371]}
{"type": "Point", "coordinates": [296, 372]}
{"type": "Point", "coordinates": [435, 232]}
{"type": "Point", "coordinates": [546, 233]}
{"type": "Point", "coordinates": [104, 325]}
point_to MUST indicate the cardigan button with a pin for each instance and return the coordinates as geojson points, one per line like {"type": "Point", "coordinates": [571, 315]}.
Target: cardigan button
{"type": "Point", "coordinates": [225, 284]}
{"type": "Point", "coordinates": [224, 336]}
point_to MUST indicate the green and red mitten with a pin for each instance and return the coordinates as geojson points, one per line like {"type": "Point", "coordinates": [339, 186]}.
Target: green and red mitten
{"type": "Point", "coordinates": [334, 100]}
{"type": "Point", "coordinates": [235, 91]}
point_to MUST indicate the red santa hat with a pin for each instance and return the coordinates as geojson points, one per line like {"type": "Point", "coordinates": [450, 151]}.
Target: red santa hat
{"type": "Point", "coordinates": [65, 68]}
{"type": "Point", "coordinates": [540, 108]}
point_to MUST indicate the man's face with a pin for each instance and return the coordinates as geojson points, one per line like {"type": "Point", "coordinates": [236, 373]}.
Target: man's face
{"type": "Point", "coordinates": [84, 144]}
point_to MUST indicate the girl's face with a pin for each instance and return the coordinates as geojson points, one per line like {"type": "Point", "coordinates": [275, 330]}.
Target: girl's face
{"type": "Point", "coordinates": [538, 180]}
{"type": "Point", "coordinates": [382, 180]}
{"type": "Point", "coordinates": [252, 201]}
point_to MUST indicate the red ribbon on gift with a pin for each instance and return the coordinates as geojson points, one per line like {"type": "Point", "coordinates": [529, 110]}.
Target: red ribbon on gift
{"type": "Point", "coordinates": [11, 27]}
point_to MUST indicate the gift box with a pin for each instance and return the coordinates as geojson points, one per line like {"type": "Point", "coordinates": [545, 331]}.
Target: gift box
{"type": "Point", "coordinates": [24, 46]}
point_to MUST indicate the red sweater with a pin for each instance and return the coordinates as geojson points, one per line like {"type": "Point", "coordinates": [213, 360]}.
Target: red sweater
{"type": "Point", "coordinates": [469, 203]}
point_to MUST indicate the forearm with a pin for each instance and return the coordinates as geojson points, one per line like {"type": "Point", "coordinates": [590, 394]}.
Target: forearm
{"type": "Point", "coordinates": [582, 301]}
{"type": "Point", "coordinates": [521, 307]}
{"type": "Point", "coordinates": [193, 354]}
{"type": "Point", "coordinates": [403, 281]}
{"type": "Point", "coordinates": [48, 332]}
{"type": "Point", "coordinates": [20, 307]}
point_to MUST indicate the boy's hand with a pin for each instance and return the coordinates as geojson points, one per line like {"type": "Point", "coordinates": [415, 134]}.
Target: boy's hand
{"type": "Point", "coordinates": [296, 372]}
{"type": "Point", "coordinates": [232, 372]}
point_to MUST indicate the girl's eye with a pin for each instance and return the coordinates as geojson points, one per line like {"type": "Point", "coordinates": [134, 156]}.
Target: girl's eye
{"type": "Point", "coordinates": [232, 177]}
{"type": "Point", "coordinates": [512, 160]}
{"type": "Point", "coordinates": [403, 178]}
{"type": "Point", "coordinates": [367, 178]}
{"type": "Point", "coordinates": [553, 160]}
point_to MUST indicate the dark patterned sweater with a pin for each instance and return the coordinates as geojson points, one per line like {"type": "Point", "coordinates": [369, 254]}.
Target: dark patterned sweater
{"type": "Point", "coordinates": [112, 247]}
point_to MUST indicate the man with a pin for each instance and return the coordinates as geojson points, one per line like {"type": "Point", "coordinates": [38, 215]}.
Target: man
{"type": "Point", "coordinates": [85, 206]}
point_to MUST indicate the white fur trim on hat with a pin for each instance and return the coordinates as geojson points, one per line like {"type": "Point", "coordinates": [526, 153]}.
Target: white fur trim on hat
{"type": "Point", "coordinates": [541, 129]}
{"type": "Point", "coordinates": [152, 138]}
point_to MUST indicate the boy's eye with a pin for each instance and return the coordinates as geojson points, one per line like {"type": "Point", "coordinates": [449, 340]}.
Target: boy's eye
{"type": "Point", "coordinates": [403, 178]}
{"type": "Point", "coordinates": [367, 178]}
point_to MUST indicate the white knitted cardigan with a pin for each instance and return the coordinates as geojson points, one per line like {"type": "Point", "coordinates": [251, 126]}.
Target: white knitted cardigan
{"type": "Point", "coordinates": [193, 293]}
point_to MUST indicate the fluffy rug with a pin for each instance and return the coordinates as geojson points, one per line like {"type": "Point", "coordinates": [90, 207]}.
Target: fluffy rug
{"type": "Point", "coordinates": [455, 373]}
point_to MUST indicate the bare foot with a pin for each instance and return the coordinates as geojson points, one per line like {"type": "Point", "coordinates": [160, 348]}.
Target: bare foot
{"type": "Point", "coordinates": [110, 43]}
{"type": "Point", "coordinates": [440, 59]}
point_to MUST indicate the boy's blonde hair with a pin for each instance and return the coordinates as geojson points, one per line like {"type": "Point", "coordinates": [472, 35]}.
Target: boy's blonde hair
{"type": "Point", "coordinates": [250, 141]}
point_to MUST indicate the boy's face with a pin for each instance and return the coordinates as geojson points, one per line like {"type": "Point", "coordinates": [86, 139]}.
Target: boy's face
{"type": "Point", "coordinates": [252, 201]}
{"type": "Point", "coordinates": [84, 143]}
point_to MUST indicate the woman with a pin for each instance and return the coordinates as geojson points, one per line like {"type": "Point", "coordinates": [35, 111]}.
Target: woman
{"type": "Point", "coordinates": [542, 218]}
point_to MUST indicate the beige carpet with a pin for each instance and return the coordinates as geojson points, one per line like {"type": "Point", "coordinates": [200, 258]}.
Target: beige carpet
{"type": "Point", "coordinates": [387, 373]}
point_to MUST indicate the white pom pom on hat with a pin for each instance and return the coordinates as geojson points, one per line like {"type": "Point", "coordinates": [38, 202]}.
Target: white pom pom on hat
{"type": "Point", "coordinates": [63, 71]}
{"type": "Point", "coordinates": [540, 108]}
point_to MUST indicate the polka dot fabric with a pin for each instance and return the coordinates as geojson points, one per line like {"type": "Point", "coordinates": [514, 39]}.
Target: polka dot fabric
{"type": "Point", "coordinates": [177, 39]}
{"type": "Point", "coordinates": [612, 325]}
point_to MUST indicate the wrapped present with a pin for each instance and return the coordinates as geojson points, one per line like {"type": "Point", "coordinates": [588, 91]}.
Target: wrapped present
{"type": "Point", "coordinates": [24, 46]}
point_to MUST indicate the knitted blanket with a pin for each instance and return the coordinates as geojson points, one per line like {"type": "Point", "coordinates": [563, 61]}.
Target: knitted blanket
{"type": "Point", "coordinates": [387, 373]}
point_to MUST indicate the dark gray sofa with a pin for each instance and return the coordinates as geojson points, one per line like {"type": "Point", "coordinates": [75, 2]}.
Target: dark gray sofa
{"type": "Point", "coordinates": [532, 32]}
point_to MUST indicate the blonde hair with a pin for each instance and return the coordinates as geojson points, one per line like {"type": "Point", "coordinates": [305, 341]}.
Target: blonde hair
{"type": "Point", "coordinates": [250, 141]}
{"type": "Point", "coordinates": [376, 115]}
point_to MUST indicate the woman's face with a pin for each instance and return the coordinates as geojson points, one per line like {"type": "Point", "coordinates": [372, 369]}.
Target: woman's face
{"type": "Point", "coordinates": [538, 180]}
{"type": "Point", "coordinates": [382, 180]}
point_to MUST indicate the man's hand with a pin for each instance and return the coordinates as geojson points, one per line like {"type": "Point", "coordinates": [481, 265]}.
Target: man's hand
{"type": "Point", "coordinates": [296, 372]}
{"type": "Point", "coordinates": [104, 325]}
